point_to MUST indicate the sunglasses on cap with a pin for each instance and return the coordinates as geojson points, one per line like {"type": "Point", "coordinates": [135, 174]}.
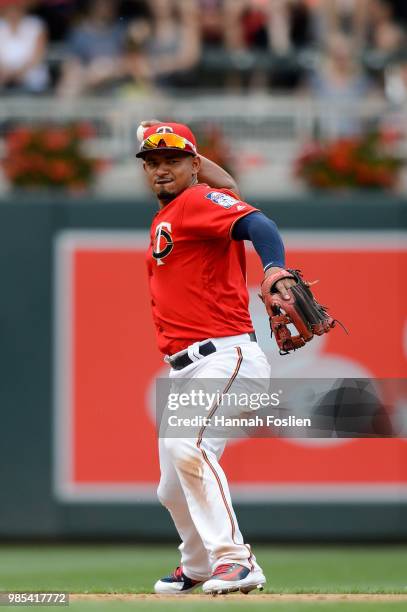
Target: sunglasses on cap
{"type": "Point", "coordinates": [167, 141]}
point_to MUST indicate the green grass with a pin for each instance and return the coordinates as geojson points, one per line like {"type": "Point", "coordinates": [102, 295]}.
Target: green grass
{"type": "Point", "coordinates": [134, 569]}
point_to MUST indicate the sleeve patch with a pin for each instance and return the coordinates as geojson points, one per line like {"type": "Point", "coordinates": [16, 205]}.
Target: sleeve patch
{"type": "Point", "coordinates": [222, 199]}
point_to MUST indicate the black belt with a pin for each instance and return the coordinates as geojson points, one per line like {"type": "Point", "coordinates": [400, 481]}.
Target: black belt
{"type": "Point", "coordinates": [183, 360]}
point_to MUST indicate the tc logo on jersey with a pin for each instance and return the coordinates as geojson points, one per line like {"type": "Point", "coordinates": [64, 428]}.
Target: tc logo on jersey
{"type": "Point", "coordinates": [222, 199]}
{"type": "Point", "coordinates": [163, 243]}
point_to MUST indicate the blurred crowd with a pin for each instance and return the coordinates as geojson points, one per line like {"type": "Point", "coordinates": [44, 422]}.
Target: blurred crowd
{"type": "Point", "coordinates": [328, 48]}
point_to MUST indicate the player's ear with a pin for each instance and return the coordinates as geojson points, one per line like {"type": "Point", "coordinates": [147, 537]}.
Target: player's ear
{"type": "Point", "coordinates": [196, 164]}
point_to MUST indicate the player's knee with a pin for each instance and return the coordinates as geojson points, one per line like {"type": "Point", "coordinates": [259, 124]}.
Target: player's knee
{"type": "Point", "coordinates": [169, 494]}
{"type": "Point", "coordinates": [162, 494]}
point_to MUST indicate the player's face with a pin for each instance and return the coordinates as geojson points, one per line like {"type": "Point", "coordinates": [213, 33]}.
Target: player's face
{"type": "Point", "coordinates": [170, 172]}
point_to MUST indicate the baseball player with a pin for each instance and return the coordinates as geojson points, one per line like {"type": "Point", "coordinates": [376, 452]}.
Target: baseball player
{"type": "Point", "coordinates": [199, 298]}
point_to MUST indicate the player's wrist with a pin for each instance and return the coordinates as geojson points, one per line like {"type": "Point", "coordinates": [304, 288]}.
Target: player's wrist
{"type": "Point", "coordinates": [270, 270]}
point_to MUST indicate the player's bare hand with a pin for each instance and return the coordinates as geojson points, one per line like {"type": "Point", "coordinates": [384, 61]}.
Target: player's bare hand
{"type": "Point", "coordinates": [283, 284]}
{"type": "Point", "coordinates": [143, 127]}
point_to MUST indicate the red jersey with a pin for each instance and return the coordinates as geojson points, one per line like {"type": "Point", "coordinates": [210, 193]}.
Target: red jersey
{"type": "Point", "coordinates": [197, 273]}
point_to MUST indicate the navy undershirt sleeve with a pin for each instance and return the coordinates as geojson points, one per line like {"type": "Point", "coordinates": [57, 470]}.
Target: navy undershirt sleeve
{"type": "Point", "coordinates": [265, 237]}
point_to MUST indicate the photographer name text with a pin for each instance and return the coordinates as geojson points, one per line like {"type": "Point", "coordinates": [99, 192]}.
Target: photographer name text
{"type": "Point", "coordinates": [223, 421]}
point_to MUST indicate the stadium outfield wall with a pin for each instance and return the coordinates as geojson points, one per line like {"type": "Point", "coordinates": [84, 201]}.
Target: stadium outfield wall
{"type": "Point", "coordinates": [73, 467]}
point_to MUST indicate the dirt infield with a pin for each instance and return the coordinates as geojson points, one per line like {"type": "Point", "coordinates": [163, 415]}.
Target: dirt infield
{"type": "Point", "coordinates": [235, 596]}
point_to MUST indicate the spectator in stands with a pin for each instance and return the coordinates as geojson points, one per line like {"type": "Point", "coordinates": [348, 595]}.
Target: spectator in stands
{"type": "Point", "coordinates": [134, 9]}
{"type": "Point", "coordinates": [23, 43]}
{"type": "Point", "coordinates": [94, 48]}
{"type": "Point", "coordinates": [246, 24]}
{"type": "Point", "coordinates": [175, 47]}
{"type": "Point", "coordinates": [346, 16]}
{"type": "Point", "coordinates": [300, 23]}
{"type": "Point", "coordinates": [212, 23]}
{"type": "Point", "coordinates": [339, 81]}
{"type": "Point", "coordinates": [246, 31]}
{"type": "Point", "coordinates": [135, 61]}
{"type": "Point", "coordinates": [279, 25]}
{"type": "Point", "coordinates": [399, 11]}
{"type": "Point", "coordinates": [384, 35]}
{"type": "Point", "coordinates": [58, 15]}
{"type": "Point", "coordinates": [396, 84]}
{"type": "Point", "coordinates": [269, 26]}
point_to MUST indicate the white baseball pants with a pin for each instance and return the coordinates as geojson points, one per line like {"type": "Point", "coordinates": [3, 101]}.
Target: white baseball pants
{"type": "Point", "coordinates": [193, 486]}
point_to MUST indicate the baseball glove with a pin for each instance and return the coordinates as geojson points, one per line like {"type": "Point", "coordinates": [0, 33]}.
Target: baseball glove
{"type": "Point", "coordinates": [301, 309]}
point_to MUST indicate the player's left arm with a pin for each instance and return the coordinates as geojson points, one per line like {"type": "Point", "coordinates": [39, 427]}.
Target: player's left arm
{"type": "Point", "coordinates": [266, 239]}
{"type": "Point", "coordinates": [215, 176]}
{"type": "Point", "coordinates": [293, 303]}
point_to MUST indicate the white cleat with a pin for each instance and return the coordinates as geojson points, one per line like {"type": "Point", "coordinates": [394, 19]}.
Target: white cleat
{"type": "Point", "coordinates": [176, 583]}
{"type": "Point", "coordinates": [233, 577]}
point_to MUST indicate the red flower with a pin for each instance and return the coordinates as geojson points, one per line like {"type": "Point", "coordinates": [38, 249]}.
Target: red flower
{"type": "Point", "coordinates": [385, 177]}
{"type": "Point", "coordinates": [365, 174]}
{"type": "Point", "coordinates": [11, 169]}
{"type": "Point", "coordinates": [339, 162]}
{"type": "Point", "coordinates": [85, 130]}
{"type": "Point", "coordinates": [341, 154]}
{"type": "Point", "coordinates": [60, 170]}
{"type": "Point", "coordinates": [310, 158]}
{"type": "Point", "coordinates": [56, 139]}
{"type": "Point", "coordinates": [18, 139]}
{"type": "Point", "coordinates": [320, 179]}
{"type": "Point", "coordinates": [35, 162]}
